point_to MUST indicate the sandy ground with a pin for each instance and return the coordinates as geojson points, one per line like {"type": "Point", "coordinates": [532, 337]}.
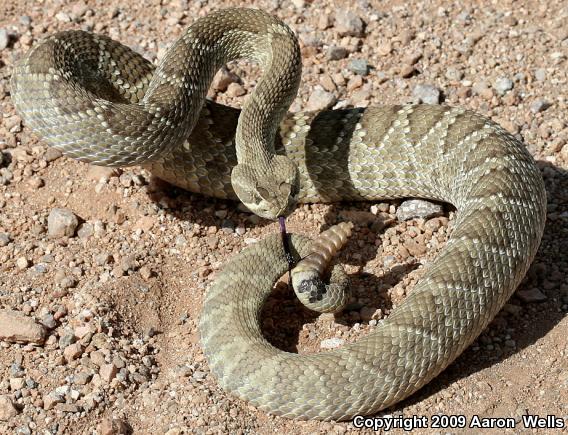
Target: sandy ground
{"type": "Point", "coordinates": [120, 298]}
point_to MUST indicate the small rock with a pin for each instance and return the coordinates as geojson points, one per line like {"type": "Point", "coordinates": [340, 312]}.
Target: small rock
{"type": "Point", "coordinates": [22, 263]}
{"type": "Point", "coordinates": [427, 94]}
{"type": "Point", "coordinates": [82, 378]}
{"type": "Point", "coordinates": [102, 173]}
{"type": "Point", "coordinates": [235, 90]}
{"type": "Point", "coordinates": [336, 53]}
{"type": "Point", "coordinates": [331, 343]}
{"type": "Point", "coordinates": [359, 66]}
{"type": "Point", "coordinates": [73, 351]}
{"type": "Point", "coordinates": [36, 182]}
{"type": "Point", "coordinates": [415, 247]}
{"type": "Point", "coordinates": [4, 39]}
{"type": "Point", "coordinates": [453, 73]}
{"type": "Point", "coordinates": [347, 23]}
{"type": "Point", "coordinates": [86, 230]}
{"type": "Point", "coordinates": [146, 273]}
{"type": "Point", "coordinates": [407, 71]}
{"type": "Point", "coordinates": [384, 49]}
{"type": "Point", "coordinates": [418, 208]}
{"type": "Point", "coordinates": [48, 321]}
{"type": "Point", "coordinates": [16, 327]}
{"type": "Point", "coordinates": [540, 74]}
{"type": "Point", "coordinates": [145, 223]}
{"type": "Point", "coordinates": [17, 383]}
{"type": "Point", "coordinates": [52, 154]}
{"type": "Point", "coordinates": [539, 105]}
{"type": "Point", "coordinates": [223, 79]}
{"type": "Point", "coordinates": [108, 372]}
{"type": "Point", "coordinates": [52, 399]}
{"type": "Point", "coordinates": [324, 21]}
{"type": "Point", "coordinates": [7, 408]}
{"type": "Point", "coordinates": [114, 426]}
{"type": "Point", "coordinates": [63, 17]}
{"type": "Point", "coordinates": [502, 85]}
{"type": "Point", "coordinates": [61, 222]}
{"type": "Point", "coordinates": [4, 239]}
{"type": "Point", "coordinates": [531, 295]}
{"type": "Point", "coordinates": [320, 100]}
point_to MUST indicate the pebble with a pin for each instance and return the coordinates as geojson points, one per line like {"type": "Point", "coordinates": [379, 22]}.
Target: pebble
{"type": "Point", "coordinates": [359, 66]}
{"type": "Point", "coordinates": [72, 352]}
{"type": "Point", "coordinates": [347, 23]}
{"type": "Point", "coordinates": [4, 239]}
{"type": "Point", "coordinates": [52, 399]}
{"type": "Point", "coordinates": [22, 263]}
{"type": "Point", "coordinates": [502, 85]}
{"type": "Point", "coordinates": [108, 372]}
{"type": "Point", "coordinates": [52, 154]}
{"type": "Point", "coordinates": [336, 53]}
{"type": "Point", "coordinates": [320, 100]}
{"type": "Point", "coordinates": [418, 208]}
{"type": "Point", "coordinates": [416, 246]}
{"type": "Point", "coordinates": [61, 222]}
{"type": "Point", "coordinates": [7, 408]}
{"type": "Point", "coordinates": [4, 39]}
{"type": "Point", "coordinates": [223, 79]}
{"type": "Point", "coordinates": [540, 74]}
{"type": "Point", "coordinates": [113, 426]}
{"type": "Point", "coordinates": [539, 105]}
{"type": "Point", "coordinates": [17, 383]}
{"type": "Point", "coordinates": [427, 94]}
{"type": "Point", "coordinates": [235, 90]}
{"type": "Point", "coordinates": [16, 327]}
{"type": "Point", "coordinates": [63, 17]}
{"type": "Point", "coordinates": [384, 49]}
{"type": "Point", "coordinates": [407, 71]}
{"type": "Point", "coordinates": [452, 73]}
{"type": "Point", "coordinates": [331, 343]}
{"type": "Point", "coordinates": [48, 321]}
{"type": "Point", "coordinates": [66, 340]}
{"type": "Point", "coordinates": [531, 295]}
{"type": "Point", "coordinates": [102, 173]}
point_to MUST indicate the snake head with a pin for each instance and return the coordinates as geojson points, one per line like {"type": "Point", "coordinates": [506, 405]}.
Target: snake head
{"type": "Point", "coordinates": [268, 192]}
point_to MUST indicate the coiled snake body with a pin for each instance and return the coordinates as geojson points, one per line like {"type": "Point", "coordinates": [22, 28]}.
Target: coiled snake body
{"type": "Point", "coordinates": [98, 101]}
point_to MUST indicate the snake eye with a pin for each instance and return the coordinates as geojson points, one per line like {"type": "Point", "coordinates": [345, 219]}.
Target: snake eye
{"type": "Point", "coordinates": [285, 188]}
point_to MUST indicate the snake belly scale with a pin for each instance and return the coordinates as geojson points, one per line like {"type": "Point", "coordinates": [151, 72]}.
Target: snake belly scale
{"type": "Point", "coordinates": [115, 108]}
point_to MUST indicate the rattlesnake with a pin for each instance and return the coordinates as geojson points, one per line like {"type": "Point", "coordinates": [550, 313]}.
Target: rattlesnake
{"type": "Point", "coordinates": [100, 102]}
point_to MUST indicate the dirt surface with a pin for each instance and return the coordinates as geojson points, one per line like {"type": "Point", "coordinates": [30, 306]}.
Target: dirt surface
{"type": "Point", "coordinates": [118, 292]}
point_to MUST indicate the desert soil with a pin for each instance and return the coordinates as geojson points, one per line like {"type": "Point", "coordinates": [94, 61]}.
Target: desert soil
{"type": "Point", "coordinates": [104, 296]}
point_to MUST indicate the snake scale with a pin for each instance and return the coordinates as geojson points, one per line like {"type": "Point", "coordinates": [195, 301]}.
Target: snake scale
{"type": "Point", "coordinates": [100, 102]}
